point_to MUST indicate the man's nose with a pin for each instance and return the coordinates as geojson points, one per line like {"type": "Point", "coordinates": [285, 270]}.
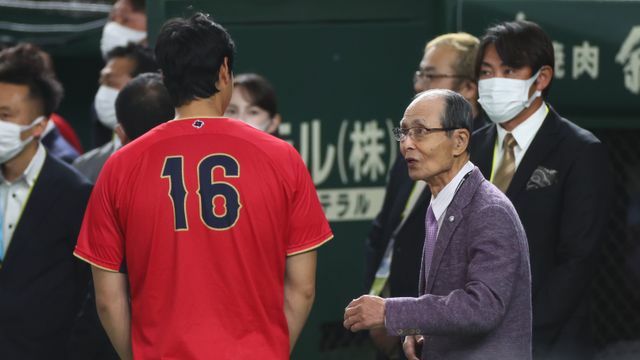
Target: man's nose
{"type": "Point", "coordinates": [406, 144]}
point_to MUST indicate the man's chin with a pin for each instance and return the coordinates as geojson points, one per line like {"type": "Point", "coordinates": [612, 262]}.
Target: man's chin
{"type": "Point", "coordinates": [413, 174]}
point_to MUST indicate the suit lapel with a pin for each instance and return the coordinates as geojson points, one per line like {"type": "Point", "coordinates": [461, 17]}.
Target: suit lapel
{"type": "Point", "coordinates": [451, 219]}
{"type": "Point", "coordinates": [483, 152]}
{"type": "Point", "coordinates": [543, 143]}
{"type": "Point", "coordinates": [39, 204]}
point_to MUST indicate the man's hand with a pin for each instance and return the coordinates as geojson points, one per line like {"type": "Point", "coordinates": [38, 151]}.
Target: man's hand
{"type": "Point", "coordinates": [412, 346]}
{"type": "Point", "coordinates": [365, 312]}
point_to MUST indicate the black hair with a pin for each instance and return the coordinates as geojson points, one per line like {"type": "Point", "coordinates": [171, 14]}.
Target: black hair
{"type": "Point", "coordinates": [190, 53]}
{"type": "Point", "coordinates": [519, 44]}
{"type": "Point", "coordinates": [26, 64]}
{"type": "Point", "coordinates": [259, 90]}
{"type": "Point", "coordinates": [143, 104]}
{"type": "Point", "coordinates": [141, 55]}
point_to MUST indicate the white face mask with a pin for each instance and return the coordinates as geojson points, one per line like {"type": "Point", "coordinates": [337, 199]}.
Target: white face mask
{"type": "Point", "coordinates": [503, 99]}
{"type": "Point", "coordinates": [105, 104]}
{"type": "Point", "coordinates": [115, 34]}
{"type": "Point", "coordinates": [10, 143]}
{"type": "Point", "coordinates": [264, 126]}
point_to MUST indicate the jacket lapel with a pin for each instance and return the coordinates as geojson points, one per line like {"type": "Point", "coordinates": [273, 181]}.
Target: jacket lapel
{"type": "Point", "coordinates": [543, 143]}
{"type": "Point", "coordinates": [452, 218]}
{"type": "Point", "coordinates": [39, 204]}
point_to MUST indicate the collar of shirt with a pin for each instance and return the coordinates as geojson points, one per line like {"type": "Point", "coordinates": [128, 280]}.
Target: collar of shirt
{"type": "Point", "coordinates": [33, 169]}
{"type": "Point", "coordinates": [440, 203]}
{"type": "Point", "coordinates": [525, 132]}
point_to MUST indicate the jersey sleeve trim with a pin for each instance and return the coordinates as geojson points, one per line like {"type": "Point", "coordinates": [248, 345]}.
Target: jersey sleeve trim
{"type": "Point", "coordinates": [314, 245]}
{"type": "Point", "coordinates": [95, 262]}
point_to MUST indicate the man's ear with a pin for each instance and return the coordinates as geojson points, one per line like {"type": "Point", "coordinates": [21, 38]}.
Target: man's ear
{"type": "Point", "coordinates": [460, 141]}
{"type": "Point", "coordinates": [38, 130]}
{"type": "Point", "coordinates": [121, 134]}
{"type": "Point", "coordinates": [544, 79]}
{"type": "Point", "coordinates": [224, 75]}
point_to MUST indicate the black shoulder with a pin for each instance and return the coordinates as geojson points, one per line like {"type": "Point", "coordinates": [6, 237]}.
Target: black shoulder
{"type": "Point", "coordinates": [64, 174]}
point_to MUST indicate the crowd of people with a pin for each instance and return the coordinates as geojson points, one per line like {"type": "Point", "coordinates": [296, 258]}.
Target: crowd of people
{"type": "Point", "coordinates": [195, 228]}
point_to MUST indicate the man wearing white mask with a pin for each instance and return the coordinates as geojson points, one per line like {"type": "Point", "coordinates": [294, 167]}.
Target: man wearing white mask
{"type": "Point", "coordinates": [42, 202]}
{"type": "Point", "coordinates": [123, 64]}
{"type": "Point", "coordinates": [556, 174]}
{"type": "Point", "coordinates": [127, 23]}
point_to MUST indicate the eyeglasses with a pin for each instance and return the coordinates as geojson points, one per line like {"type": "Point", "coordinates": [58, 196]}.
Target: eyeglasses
{"type": "Point", "coordinates": [416, 133]}
{"type": "Point", "coordinates": [424, 76]}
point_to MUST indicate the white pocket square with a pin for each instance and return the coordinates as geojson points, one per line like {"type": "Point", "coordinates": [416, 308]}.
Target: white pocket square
{"type": "Point", "coordinates": [542, 177]}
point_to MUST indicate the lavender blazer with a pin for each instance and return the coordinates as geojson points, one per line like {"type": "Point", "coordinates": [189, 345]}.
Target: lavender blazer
{"type": "Point", "coordinates": [476, 303]}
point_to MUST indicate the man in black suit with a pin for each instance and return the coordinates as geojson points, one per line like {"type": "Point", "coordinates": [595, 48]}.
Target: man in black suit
{"type": "Point", "coordinates": [42, 202]}
{"type": "Point", "coordinates": [394, 245]}
{"type": "Point", "coordinates": [556, 174]}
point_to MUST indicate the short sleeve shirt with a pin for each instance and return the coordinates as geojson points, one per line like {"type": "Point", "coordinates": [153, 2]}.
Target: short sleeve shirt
{"type": "Point", "coordinates": [201, 214]}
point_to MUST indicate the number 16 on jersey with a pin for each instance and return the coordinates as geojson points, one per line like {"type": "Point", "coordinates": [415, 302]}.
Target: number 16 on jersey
{"type": "Point", "coordinates": [219, 201]}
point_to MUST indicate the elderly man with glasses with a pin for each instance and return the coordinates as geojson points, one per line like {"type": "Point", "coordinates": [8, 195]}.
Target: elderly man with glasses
{"type": "Point", "coordinates": [394, 244]}
{"type": "Point", "coordinates": [474, 299]}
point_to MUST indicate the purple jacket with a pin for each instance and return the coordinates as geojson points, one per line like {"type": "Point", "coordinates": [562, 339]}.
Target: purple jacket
{"type": "Point", "coordinates": [476, 303]}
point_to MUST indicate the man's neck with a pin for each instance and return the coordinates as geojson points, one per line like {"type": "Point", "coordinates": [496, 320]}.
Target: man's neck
{"type": "Point", "coordinates": [438, 182]}
{"type": "Point", "coordinates": [209, 107]}
{"type": "Point", "coordinates": [523, 116]}
{"type": "Point", "coordinates": [14, 168]}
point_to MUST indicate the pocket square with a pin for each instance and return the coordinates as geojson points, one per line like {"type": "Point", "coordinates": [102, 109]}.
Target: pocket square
{"type": "Point", "coordinates": [542, 177]}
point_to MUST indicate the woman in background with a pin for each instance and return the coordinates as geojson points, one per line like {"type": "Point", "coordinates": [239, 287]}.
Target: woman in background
{"type": "Point", "coordinates": [254, 101]}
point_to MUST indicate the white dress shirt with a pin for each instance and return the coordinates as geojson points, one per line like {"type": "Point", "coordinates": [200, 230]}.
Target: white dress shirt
{"type": "Point", "coordinates": [523, 133]}
{"type": "Point", "coordinates": [441, 202]}
{"type": "Point", "coordinates": [15, 195]}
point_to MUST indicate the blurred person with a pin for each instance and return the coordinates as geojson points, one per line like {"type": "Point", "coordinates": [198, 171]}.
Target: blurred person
{"type": "Point", "coordinates": [127, 23]}
{"type": "Point", "coordinates": [475, 284]}
{"type": "Point", "coordinates": [141, 105]}
{"type": "Point", "coordinates": [52, 138]}
{"type": "Point", "coordinates": [394, 245]}
{"type": "Point", "coordinates": [449, 63]}
{"type": "Point", "coordinates": [123, 64]}
{"type": "Point", "coordinates": [556, 174]}
{"type": "Point", "coordinates": [202, 232]}
{"type": "Point", "coordinates": [254, 101]}
{"type": "Point", "coordinates": [42, 201]}
{"type": "Point", "coordinates": [160, 109]}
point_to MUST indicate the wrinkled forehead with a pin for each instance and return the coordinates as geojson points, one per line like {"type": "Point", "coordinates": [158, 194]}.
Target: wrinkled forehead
{"type": "Point", "coordinates": [424, 111]}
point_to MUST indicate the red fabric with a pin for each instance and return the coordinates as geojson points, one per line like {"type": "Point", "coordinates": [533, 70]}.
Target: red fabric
{"type": "Point", "coordinates": [211, 290]}
{"type": "Point", "coordinates": [67, 132]}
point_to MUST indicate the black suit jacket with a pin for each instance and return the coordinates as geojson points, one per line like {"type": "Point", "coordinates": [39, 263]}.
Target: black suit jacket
{"type": "Point", "coordinates": [565, 220]}
{"type": "Point", "coordinates": [41, 282]}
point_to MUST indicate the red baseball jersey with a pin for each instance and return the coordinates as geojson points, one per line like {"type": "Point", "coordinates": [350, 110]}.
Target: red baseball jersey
{"type": "Point", "coordinates": [201, 214]}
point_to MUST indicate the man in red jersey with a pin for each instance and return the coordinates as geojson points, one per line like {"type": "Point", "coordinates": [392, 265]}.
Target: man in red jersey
{"type": "Point", "coordinates": [201, 233]}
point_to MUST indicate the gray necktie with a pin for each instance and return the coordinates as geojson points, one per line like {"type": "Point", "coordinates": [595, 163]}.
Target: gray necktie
{"type": "Point", "coordinates": [504, 173]}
